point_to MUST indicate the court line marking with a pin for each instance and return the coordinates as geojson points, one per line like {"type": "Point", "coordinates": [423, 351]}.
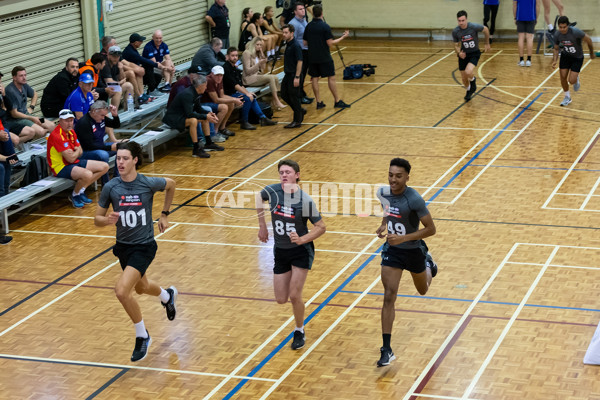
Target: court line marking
{"type": "Point", "coordinates": [509, 325]}
{"type": "Point", "coordinates": [430, 65]}
{"type": "Point", "coordinates": [566, 175]}
{"type": "Point", "coordinates": [590, 194]}
{"type": "Point", "coordinates": [284, 157]}
{"type": "Point", "coordinates": [122, 366]}
{"type": "Point", "coordinates": [411, 392]}
{"type": "Point", "coordinates": [440, 85]}
{"type": "Point", "coordinates": [290, 319]}
{"type": "Point", "coordinates": [501, 122]}
{"type": "Point", "coordinates": [578, 194]}
{"type": "Point", "coordinates": [70, 290]}
{"type": "Point", "coordinates": [571, 209]}
{"type": "Point", "coordinates": [511, 141]}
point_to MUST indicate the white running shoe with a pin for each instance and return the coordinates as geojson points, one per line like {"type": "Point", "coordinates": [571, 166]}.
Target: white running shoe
{"type": "Point", "coordinates": [521, 63]}
{"type": "Point", "coordinates": [528, 63]}
{"type": "Point", "coordinates": [566, 101]}
{"type": "Point", "coordinates": [577, 85]}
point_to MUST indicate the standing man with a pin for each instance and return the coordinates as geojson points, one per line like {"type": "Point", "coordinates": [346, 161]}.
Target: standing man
{"type": "Point", "coordinates": [217, 18]}
{"type": "Point", "coordinates": [525, 13]}
{"type": "Point", "coordinates": [299, 23]}
{"type": "Point", "coordinates": [318, 38]}
{"type": "Point", "coordinates": [568, 39]}
{"type": "Point", "coordinates": [294, 250]}
{"type": "Point", "coordinates": [466, 45]}
{"type": "Point", "coordinates": [404, 249]}
{"type": "Point", "coordinates": [156, 50]}
{"type": "Point", "coordinates": [59, 88]}
{"type": "Point", "coordinates": [131, 197]}
{"type": "Point", "coordinates": [490, 8]}
{"type": "Point", "coordinates": [292, 68]}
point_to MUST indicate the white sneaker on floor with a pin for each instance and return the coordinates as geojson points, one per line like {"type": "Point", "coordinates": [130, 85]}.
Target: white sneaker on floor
{"type": "Point", "coordinates": [521, 63]}
{"type": "Point", "coordinates": [577, 85]}
{"type": "Point", "coordinates": [566, 101]}
{"type": "Point", "coordinates": [528, 63]}
{"type": "Point", "coordinates": [218, 138]}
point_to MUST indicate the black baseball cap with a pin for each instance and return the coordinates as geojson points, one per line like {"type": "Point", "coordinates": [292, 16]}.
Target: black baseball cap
{"type": "Point", "coordinates": [136, 37]}
{"type": "Point", "coordinates": [195, 69]}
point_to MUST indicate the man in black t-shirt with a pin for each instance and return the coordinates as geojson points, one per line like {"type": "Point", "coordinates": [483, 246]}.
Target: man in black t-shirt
{"type": "Point", "coordinates": [318, 38]}
{"type": "Point", "coordinates": [292, 67]}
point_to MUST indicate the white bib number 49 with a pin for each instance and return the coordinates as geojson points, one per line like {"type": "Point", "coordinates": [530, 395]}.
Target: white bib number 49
{"type": "Point", "coordinates": [396, 229]}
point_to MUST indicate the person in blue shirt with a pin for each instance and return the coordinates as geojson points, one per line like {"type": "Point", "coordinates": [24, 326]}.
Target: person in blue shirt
{"type": "Point", "coordinates": [158, 51]}
{"type": "Point", "coordinates": [80, 99]}
{"type": "Point", "coordinates": [490, 8]}
{"type": "Point", "coordinates": [525, 13]}
{"type": "Point", "coordinates": [130, 53]}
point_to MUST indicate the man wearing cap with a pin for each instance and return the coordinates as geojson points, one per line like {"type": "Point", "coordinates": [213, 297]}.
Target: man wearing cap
{"type": "Point", "coordinates": [207, 56]}
{"type": "Point", "coordinates": [80, 100]}
{"type": "Point", "coordinates": [215, 94]}
{"type": "Point", "coordinates": [133, 73]}
{"type": "Point", "coordinates": [130, 53]}
{"type": "Point", "coordinates": [95, 67]}
{"type": "Point", "coordinates": [20, 117]}
{"type": "Point", "coordinates": [158, 51]}
{"type": "Point", "coordinates": [233, 86]}
{"type": "Point", "coordinates": [63, 153]}
{"type": "Point", "coordinates": [181, 114]}
{"type": "Point", "coordinates": [115, 75]}
{"type": "Point", "coordinates": [59, 88]}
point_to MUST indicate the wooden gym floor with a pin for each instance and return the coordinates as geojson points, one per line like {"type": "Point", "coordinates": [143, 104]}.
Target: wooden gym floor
{"type": "Point", "coordinates": [512, 181]}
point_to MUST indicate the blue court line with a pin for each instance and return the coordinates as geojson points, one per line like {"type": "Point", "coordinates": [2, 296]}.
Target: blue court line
{"type": "Point", "coordinates": [481, 301]}
{"type": "Point", "coordinates": [361, 267]}
{"type": "Point", "coordinates": [460, 171]}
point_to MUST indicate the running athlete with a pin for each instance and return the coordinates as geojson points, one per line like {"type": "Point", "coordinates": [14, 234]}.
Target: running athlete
{"type": "Point", "coordinates": [294, 250]}
{"type": "Point", "coordinates": [404, 249]}
{"type": "Point", "coordinates": [131, 197]}
{"type": "Point", "coordinates": [567, 41]}
{"type": "Point", "coordinates": [466, 45]}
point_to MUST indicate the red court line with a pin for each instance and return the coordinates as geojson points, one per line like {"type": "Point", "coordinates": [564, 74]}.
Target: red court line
{"type": "Point", "coordinates": [588, 150]}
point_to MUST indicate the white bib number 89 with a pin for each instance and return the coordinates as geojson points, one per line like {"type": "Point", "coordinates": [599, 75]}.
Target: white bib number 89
{"type": "Point", "coordinates": [396, 229]}
{"type": "Point", "coordinates": [284, 228]}
{"type": "Point", "coordinates": [129, 218]}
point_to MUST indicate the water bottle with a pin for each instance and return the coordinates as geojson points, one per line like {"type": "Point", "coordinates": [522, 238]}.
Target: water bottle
{"type": "Point", "coordinates": [129, 102]}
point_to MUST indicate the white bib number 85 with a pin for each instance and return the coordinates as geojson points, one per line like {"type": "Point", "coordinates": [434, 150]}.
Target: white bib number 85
{"type": "Point", "coordinates": [130, 218]}
{"type": "Point", "coordinates": [284, 228]}
{"type": "Point", "coordinates": [396, 229]}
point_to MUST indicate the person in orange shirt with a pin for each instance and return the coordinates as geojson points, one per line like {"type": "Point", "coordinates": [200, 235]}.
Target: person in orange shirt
{"type": "Point", "coordinates": [63, 152]}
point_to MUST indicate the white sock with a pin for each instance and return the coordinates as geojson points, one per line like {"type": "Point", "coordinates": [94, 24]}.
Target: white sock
{"type": "Point", "coordinates": [276, 48]}
{"type": "Point", "coordinates": [472, 79]}
{"type": "Point", "coordinates": [469, 88]}
{"type": "Point", "coordinates": [568, 94]}
{"type": "Point", "coordinates": [550, 27]}
{"type": "Point", "coordinates": [164, 295]}
{"type": "Point", "coordinates": [301, 329]}
{"type": "Point", "coordinates": [82, 191]}
{"type": "Point", "coordinates": [74, 194]}
{"type": "Point", "coordinates": [140, 330]}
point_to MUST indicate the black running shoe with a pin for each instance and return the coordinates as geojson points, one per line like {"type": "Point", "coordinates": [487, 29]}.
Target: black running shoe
{"type": "Point", "coordinates": [431, 264]}
{"type": "Point", "coordinates": [468, 95]}
{"type": "Point", "coordinates": [5, 239]}
{"type": "Point", "coordinates": [170, 305]}
{"type": "Point", "coordinates": [341, 104]}
{"type": "Point", "coordinates": [199, 152]}
{"type": "Point", "coordinates": [141, 348]}
{"type": "Point", "coordinates": [387, 356]}
{"type": "Point", "coordinates": [213, 147]}
{"type": "Point", "coordinates": [473, 85]}
{"type": "Point", "coordinates": [320, 105]}
{"type": "Point", "coordinates": [298, 341]}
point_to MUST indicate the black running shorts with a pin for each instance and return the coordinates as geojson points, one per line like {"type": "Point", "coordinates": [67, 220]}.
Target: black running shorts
{"type": "Point", "coordinates": [299, 256]}
{"type": "Point", "coordinates": [526, 27]}
{"type": "Point", "coordinates": [322, 70]}
{"type": "Point", "coordinates": [138, 256]}
{"type": "Point", "coordinates": [412, 260]}
{"type": "Point", "coordinates": [572, 63]}
{"type": "Point", "coordinates": [472, 58]}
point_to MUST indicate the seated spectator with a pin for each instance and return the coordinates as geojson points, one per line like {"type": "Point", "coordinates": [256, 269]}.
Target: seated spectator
{"type": "Point", "coordinates": [184, 82]}
{"type": "Point", "coordinates": [6, 109]}
{"type": "Point", "coordinates": [131, 54]}
{"type": "Point", "coordinates": [80, 99]}
{"type": "Point", "coordinates": [215, 94]}
{"type": "Point", "coordinates": [269, 27]}
{"type": "Point", "coordinates": [95, 67]}
{"type": "Point", "coordinates": [253, 74]}
{"type": "Point", "coordinates": [64, 152]}
{"type": "Point", "coordinates": [255, 28]}
{"type": "Point", "coordinates": [207, 56]}
{"type": "Point", "coordinates": [18, 91]}
{"type": "Point", "coordinates": [245, 35]}
{"type": "Point", "coordinates": [158, 51]}
{"type": "Point", "coordinates": [91, 130]}
{"type": "Point", "coordinates": [233, 86]}
{"type": "Point", "coordinates": [8, 158]}
{"type": "Point", "coordinates": [132, 73]}
{"type": "Point", "coordinates": [180, 115]}
{"type": "Point", "coordinates": [59, 88]}
{"type": "Point", "coordinates": [114, 73]}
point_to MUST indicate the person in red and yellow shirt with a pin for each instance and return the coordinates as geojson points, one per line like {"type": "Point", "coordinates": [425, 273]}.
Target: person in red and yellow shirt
{"type": "Point", "coordinates": [63, 152]}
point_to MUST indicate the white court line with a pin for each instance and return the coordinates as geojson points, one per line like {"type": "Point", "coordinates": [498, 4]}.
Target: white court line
{"type": "Point", "coordinates": [509, 325]}
{"type": "Point", "coordinates": [136, 367]}
{"type": "Point", "coordinates": [290, 319]}
{"type": "Point", "coordinates": [571, 209]}
{"type": "Point", "coordinates": [564, 178]}
{"type": "Point", "coordinates": [442, 348]}
{"type": "Point", "coordinates": [70, 290]}
{"type": "Point", "coordinates": [476, 145]}
{"type": "Point", "coordinates": [439, 84]}
{"type": "Point", "coordinates": [515, 137]}
{"type": "Point", "coordinates": [443, 128]}
{"type": "Point", "coordinates": [578, 194]}
{"type": "Point", "coordinates": [305, 353]}
{"type": "Point", "coordinates": [284, 157]}
{"type": "Point", "coordinates": [430, 65]}
{"type": "Point", "coordinates": [551, 265]}
{"type": "Point", "coordinates": [590, 194]}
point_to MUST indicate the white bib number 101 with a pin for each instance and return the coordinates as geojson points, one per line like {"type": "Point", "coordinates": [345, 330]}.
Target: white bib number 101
{"type": "Point", "coordinates": [284, 228]}
{"type": "Point", "coordinates": [130, 218]}
{"type": "Point", "coordinates": [396, 229]}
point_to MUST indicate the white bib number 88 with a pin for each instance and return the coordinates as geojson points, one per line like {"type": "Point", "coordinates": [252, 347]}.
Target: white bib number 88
{"type": "Point", "coordinates": [396, 229]}
{"type": "Point", "coordinates": [129, 218]}
{"type": "Point", "coordinates": [284, 228]}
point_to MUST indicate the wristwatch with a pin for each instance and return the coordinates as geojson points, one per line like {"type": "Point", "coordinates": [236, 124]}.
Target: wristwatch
{"type": "Point", "coordinates": [32, 106]}
{"type": "Point", "coordinates": [165, 212]}
{"type": "Point", "coordinates": [296, 77]}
